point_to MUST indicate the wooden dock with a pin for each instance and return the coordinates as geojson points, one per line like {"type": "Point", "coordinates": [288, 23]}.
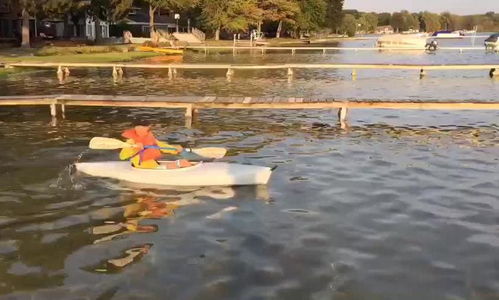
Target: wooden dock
{"type": "Point", "coordinates": [63, 69]}
{"type": "Point", "coordinates": [294, 49]}
{"type": "Point", "coordinates": [193, 104]}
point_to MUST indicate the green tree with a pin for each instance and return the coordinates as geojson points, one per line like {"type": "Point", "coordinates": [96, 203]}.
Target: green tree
{"type": "Point", "coordinates": [431, 22]}
{"type": "Point", "coordinates": [334, 16]}
{"type": "Point", "coordinates": [154, 5]}
{"type": "Point", "coordinates": [412, 21]}
{"type": "Point", "coordinates": [384, 19]}
{"type": "Point", "coordinates": [311, 16]}
{"type": "Point", "coordinates": [397, 21]}
{"type": "Point", "coordinates": [233, 16]}
{"type": "Point", "coordinates": [402, 21]}
{"type": "Point", "coordinates": [348, 25]}
{"type": "Point", "coordinates": [282, 11]}
{"type": "Point", "coordinates": [368, 22]}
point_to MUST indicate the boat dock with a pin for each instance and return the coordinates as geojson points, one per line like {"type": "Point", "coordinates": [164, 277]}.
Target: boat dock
{"type": "Point", "coordinates": [324, 50]}
{"type": "Point", "coordinates": [63, 69]}
{"type": "Point", "coordinates": [192, 104]}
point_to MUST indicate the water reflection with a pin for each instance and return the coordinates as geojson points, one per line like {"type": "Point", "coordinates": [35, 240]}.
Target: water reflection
{"type": "Point", "coordinates": [152, 207]}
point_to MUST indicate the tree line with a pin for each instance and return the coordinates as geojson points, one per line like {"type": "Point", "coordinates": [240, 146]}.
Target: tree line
{"type": "Point", "coordinates": [294, 16]}
{"type": "Point", "coordinates": [354, 21]}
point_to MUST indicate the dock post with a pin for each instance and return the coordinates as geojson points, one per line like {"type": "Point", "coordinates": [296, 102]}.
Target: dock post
{"type": "Point", "coordinates": [324, 51]}
{"type": "Point", "coordinates": [290, 75]}
{"type": "Point", "coordinates": [342, 113]}
{"type": "Point", "coordinates": [422, 73]}
{"type": "Point", "coordinates": [115, 73]}
{"type": "Point", "coordinates": [493, 73]}
{"type": "Point", "coordinates": [53, 114]}
{"type": "Point", "coordinates": [342, 116]}
{"type": "Point", "coordinates": [174, 72]}
{"type": "Point", "coordinates": [63, 111]}
{"type": "Point", "coordinates": [354, 74]}
{"type": "Point", "coordinates": [229, 74]}
{"type": "Point", "coordinates": [293, 51]}
{"type": "Point", "coordinates": [60, 74]}
{"type": "Point", "coordinates": [205, 51]}
{"type": "Point", "coordinates": [170, 73]}
{"type": "Point", "coordinates": [53, 110]}
{"type": "Point", "coordinates": [189, 112]}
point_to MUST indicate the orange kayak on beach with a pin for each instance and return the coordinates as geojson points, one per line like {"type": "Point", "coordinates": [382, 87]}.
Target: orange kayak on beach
{"type": "Point", "coordinates": [161, 50]}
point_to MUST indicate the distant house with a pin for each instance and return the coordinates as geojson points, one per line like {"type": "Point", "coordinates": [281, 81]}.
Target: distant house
{"type": "Point", "coordinates": [11, 26]}
{"type": "Point", "coordinates": [384, 30]}
{"type": "Point", "coordinates": [11, 22]}
{"type": "Point", "coordinates": [84, 28]}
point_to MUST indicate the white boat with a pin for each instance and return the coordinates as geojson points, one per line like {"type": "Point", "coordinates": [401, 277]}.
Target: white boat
{"type": "Point", "coordinates": [446, 34]}
{"type": "Point", "coordinates": [201, 174]}
{"type": "Point", "coordinates": [402, 41]}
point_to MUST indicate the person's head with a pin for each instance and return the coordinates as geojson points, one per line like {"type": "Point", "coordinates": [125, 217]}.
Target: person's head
{"type": "Point", "coordinates": [142, 128]}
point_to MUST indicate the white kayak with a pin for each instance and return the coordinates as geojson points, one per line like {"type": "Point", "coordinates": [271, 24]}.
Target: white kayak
{"type": "Point", "coordinates": [201, 174]}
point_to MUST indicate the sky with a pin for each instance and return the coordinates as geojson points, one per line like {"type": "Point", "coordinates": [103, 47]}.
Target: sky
{"type": "Point", "coordinates": [460, 7]}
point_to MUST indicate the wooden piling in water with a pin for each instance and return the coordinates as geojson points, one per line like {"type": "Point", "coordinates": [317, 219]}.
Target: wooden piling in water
{"type": "Point", "coordinates": [53, 110]}
{"type": "Point", "coordinates": [422, 73]}
{"type": "Point", "coordinates": [493, 72]}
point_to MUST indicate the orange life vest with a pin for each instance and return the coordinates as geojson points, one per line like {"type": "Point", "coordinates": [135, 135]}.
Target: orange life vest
{"type": "Point", "coordinates": [144, 136]}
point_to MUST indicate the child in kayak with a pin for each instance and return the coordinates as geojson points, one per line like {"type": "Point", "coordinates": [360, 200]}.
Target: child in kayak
{"type": "Point", "coordinates": [146, 158]}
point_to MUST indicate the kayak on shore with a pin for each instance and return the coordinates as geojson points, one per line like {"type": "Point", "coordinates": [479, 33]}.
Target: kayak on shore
{"type": "Point", "coordinates": [200, 174]}
{"type": "Point", "coordinates": [161, 50]}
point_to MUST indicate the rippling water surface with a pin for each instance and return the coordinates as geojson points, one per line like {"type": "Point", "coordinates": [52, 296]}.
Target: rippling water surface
{"type": "Point", "coordinates": [400, 205]}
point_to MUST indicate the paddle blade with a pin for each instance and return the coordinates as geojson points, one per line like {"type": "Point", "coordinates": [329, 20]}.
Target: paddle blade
{"type": "Point", "coordinates": [210, 152]}
{"type": "Point", "coordinates": [104, 143]}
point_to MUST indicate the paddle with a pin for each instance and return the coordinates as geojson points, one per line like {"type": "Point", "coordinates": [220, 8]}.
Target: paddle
{"type": "Point", "coordinates": [103, 143]}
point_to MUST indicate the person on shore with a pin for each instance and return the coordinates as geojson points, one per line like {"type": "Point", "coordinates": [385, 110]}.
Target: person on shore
{"type": "Point", "coordinates": [147, 150]}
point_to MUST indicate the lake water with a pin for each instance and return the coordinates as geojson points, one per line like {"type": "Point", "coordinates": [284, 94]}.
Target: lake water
{"type": "Point", "coordinates": [401, 205]}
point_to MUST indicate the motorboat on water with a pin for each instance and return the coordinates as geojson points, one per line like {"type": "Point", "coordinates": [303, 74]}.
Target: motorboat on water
{"type": "Point", "coordinates": [492, 42]}
{"type": "Point", "coordinates": [447, 34]}
{"type": "Point", "coordinates": [403, 41]}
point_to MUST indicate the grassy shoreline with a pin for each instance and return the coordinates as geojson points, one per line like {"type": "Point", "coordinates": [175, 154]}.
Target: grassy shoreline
{"type": "Point", "coordinates": [108, 57]}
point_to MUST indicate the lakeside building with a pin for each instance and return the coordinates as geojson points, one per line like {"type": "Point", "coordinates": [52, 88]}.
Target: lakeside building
{"type": "Point", "coordinates": [385, 30]}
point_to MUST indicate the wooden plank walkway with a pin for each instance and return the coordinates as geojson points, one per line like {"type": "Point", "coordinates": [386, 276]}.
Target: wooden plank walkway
{"type": "Point", "coordinates": [206, 102]}
{"type": "Point", "coordinates": [293, 49]}
{"type": "Point", "coordinates": [261, 67]}
{"type": "Point", "coordinates": [192, 104]}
